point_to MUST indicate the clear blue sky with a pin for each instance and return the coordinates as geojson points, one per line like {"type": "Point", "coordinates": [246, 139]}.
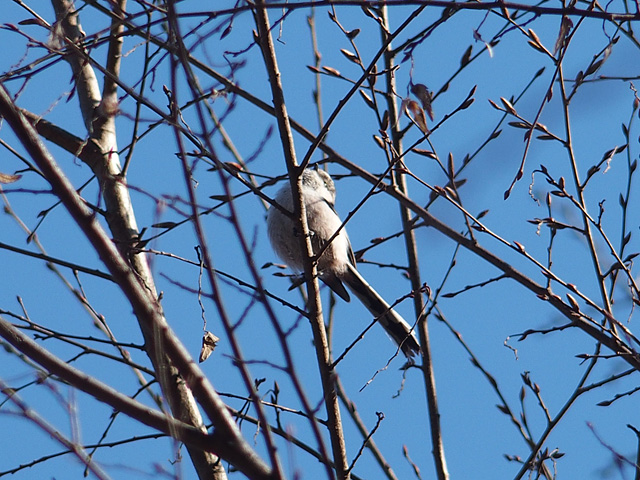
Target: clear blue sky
{"type": "Point", "coordinates": [476, 434]}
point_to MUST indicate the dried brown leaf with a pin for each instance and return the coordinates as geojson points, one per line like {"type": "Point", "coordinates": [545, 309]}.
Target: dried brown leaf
{"type": "Point", "coordinates": [565, 28]}
{"type": "Point", "coordinates": [414, 111]}
{"type": "Point", "coordinates": [423, 94]}
{"type": "Point", "coordinates": [9, 178]}
{"type": "Point", "coordinates": [209, 342]}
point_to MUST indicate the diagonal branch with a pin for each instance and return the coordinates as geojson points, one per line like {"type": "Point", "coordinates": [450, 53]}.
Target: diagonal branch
{"type": "Point", "coordinates": [399, 180]}
{"type": "Point", "coordinates": [144, 303]}
{"type": "Point", "coordinates": [614, 344]}
{"type": "Point", "coordinates": [106, 394]}
{"type": "Point", "coordinates": [314, 304]}
{"type": "Point", "coordinates": [99, 118]}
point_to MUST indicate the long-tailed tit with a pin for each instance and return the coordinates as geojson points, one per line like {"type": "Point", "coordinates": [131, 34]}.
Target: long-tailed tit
{"type": "Point", "coordinates": [337, 262]}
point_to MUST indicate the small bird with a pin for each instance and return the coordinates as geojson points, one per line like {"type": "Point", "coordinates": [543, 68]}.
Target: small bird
{"type": "Point", "coordinates": [337, 262]}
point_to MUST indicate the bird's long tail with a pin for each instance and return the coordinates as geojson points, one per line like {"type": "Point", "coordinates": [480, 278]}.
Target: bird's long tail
{"type": "Point", "coordinates": [396, 326]}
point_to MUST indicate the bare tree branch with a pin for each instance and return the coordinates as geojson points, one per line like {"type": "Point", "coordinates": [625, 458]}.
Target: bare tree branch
{"type": "Point", "coordinates": [100, 122]}
{"type": "Point", "coordinates": [136, 410]}
{"type": "Point", "coordinates": [145, 306]}
{"type": "Point", "coordinates": [314, 304]}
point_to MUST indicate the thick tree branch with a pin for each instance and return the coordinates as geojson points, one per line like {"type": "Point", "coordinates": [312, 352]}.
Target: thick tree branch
{"type": "Point", "coordinates": [536, 9]}
{"type": "Point", "coordinates": [99, 116]}
{"type": "Point", "coordinates": [104, 393]}
{"type": "Point", "coordinates": [314, 303]}
{"type": "Point", "coordinates": [614, 344]}
{"type": "Point", "coordinates": [400, 184]}
{"type": "Point", "coordinates": [145, 305]}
